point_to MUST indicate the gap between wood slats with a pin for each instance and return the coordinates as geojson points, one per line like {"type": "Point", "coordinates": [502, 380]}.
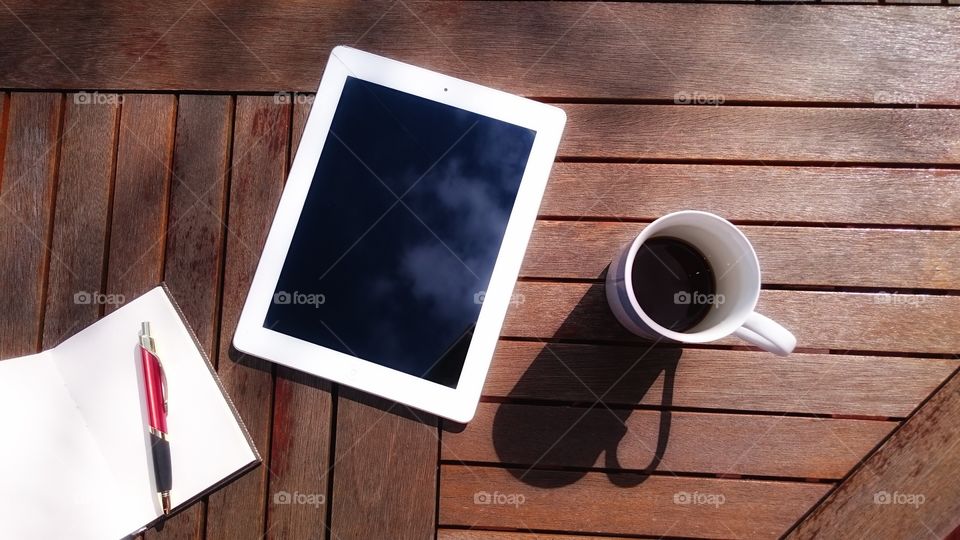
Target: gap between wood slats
{"type": "Point", "coordinates": [215, 359]}
{"type": "Point", "coordinates": [104, 280]}
{"type": "Point", "coordinates": [4, 119]}
{"type": "Point", "coordinates": [463, 532]}
{"type": "Point", "coordinates": [772, 286]}
{"type": "Point", "coordinates": [721, 346]}
{"type": "Point", "coordinates": [48, 240]}
{"type": "Point", "coordinates": [768, 162]}
{"type": "Point", "coordinates": [547, 469]}
{"type": "Point", "coordinates": [554, 100]}
{"type": "Point", "coordinates": [615, 406]}
{"type": "Point", "coordinates": [759, 223]}
{"type": "Point", "coordinates": [728, 346]}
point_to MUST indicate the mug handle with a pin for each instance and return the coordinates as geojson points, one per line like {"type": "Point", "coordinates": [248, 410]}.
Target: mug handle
{"type": "Point", "coordinates": [767, 334]}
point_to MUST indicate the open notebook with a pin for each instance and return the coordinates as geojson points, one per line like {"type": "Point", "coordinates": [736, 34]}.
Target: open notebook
{"type": "Point", "coordinates": [74, 447]}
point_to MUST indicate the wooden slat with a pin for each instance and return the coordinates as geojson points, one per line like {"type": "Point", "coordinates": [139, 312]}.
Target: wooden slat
{"type": "Point", "coordinates": [140, 196]}
{"type": "Point", "coordinates": [817, 53]}
{"type": "Point", "coordinates": [836, 257]}
{"type": "Point", "coordinates": [716, 379]}
{"type": "Point", "coordinates": [682, 442]}
{"type": "Point", "coordinates": [462, 534]}
{"type": "Point", "coordinates": [908, 488]}
{"type": "Point", "coordinates": [141, 193]}
{"type": "Point", "coordinates": [300, 454]}
{"type": "Point", "coordinates": [928, 136]}
{"type": "Point", "coordinates": [385, 471]}
{"type": "Point", "coordinates": [78, 251]}
{"type": "Point", "coordinates": [756, 193]}
{"type": "Point", "coordinates": [29, 177]}
{"type": "Point", "coordinates": [261, 132]}
{"type": "Point", "coordinates": [755, 509]}
{"type": "Point", "coordinates": [821, 320]}
{"type": "Point", "coordinates": [194, 248]}
{"type": "Point", "coordinates": [302, 430]}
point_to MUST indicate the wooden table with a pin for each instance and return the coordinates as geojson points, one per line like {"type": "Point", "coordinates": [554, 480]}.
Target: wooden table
{"type": "Point", "coordinates": [148, 143]}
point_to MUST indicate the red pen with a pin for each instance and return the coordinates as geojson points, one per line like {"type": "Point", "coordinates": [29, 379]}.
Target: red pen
{"type": "Point", "coordinates": [155, 384]}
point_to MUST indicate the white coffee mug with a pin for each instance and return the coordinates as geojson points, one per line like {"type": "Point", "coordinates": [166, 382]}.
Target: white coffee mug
{"type": "Point", "coordinates": [736, 270]}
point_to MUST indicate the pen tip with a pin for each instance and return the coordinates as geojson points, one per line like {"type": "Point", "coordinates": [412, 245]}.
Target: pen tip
{"type": "Point", "coordinates": [165, 502]}
{"type": "Point", "coordinates": [145, 328]}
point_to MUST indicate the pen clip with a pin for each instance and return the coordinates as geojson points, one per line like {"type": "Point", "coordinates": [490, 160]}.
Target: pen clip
{"type": "Point", "coordinates": [146, 341]}
{"type": "Point", "coordinates": [163, 384]}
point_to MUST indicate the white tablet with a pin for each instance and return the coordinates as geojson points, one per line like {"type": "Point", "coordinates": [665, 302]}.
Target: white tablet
{"type": "Point", "coordinates": [392, 258]}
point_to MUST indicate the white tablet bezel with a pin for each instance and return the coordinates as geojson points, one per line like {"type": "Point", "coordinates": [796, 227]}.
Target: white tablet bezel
{"type": "Point", "coordinates": [457, 403]}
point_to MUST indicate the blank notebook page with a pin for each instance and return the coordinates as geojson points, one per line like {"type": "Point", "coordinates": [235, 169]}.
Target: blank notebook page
{"type": "Point", "coordinates": [73, 419]}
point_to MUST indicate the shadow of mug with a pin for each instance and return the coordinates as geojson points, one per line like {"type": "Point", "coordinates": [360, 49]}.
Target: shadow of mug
{"type": "Point", "coordinates": [529, 437]}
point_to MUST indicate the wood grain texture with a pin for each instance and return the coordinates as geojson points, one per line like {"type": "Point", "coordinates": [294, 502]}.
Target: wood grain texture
{"type": "Point", "coordinates": [141, 195]}
{"type": "Point", "coordinates": [27, 192]}
{"type": "Point", "coordinates": [300, 455]}
{"type": "Point", "coordinates": [462, 534]}
{"type": "Point", "coordinates": [764, 134]}
{"type": "Point", "coordinates": [754, 509]}
{"type": "Point", "coordinates": [820, 320]}
{"type": "Point", "coordinates": [261, 133]}
{"type": "Point", "coordinates": [834, 384]}
{"type": "Point", "coordinates": [739, 52]}
{"type": "Point", "coordinates": [81, 222]}
{"type": "Point", "coordinates": [689, 442]}
{"type": "Point", "coordinates": [908, 488]}
{"type": "Point", "coordinates": [194, 247]}
{"type": "Point", "coordinates": [755, 193]}
{"type": "Point", "coordinates": [835, 257]}
{"type": "Point", "coordinates": [302, 430]}
{"type": "Point", "coordinates": [385, 470]}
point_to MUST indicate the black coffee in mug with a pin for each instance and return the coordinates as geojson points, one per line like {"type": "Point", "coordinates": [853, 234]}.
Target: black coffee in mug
{"type": "Point", "coordinates": [673, 282]}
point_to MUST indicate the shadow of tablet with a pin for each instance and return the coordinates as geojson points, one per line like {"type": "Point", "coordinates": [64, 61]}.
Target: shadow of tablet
{"type": "Point", "coordinates": [239, 358]}
{"type": "Point", "coordinates": [590, 391]}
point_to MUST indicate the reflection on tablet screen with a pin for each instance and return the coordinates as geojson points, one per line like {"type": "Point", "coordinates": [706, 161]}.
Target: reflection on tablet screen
{"type": "Point", "coordinates": [400, 231]}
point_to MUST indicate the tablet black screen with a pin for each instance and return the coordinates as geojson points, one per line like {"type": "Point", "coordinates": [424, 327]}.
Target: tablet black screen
{"type": "Point", "coordinates": [400, 231]}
